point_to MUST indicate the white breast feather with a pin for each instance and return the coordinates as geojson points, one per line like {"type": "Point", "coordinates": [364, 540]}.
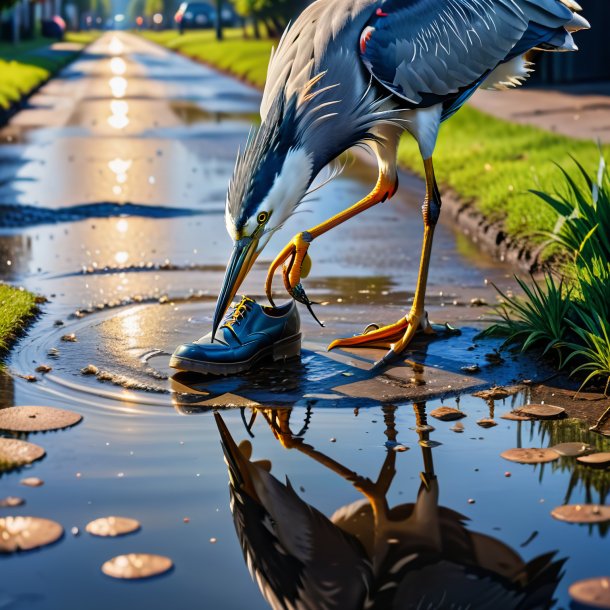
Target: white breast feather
{"type": "Point", "coordinates": [509, 75]}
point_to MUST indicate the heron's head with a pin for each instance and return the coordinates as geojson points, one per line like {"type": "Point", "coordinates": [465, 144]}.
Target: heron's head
{"type": "Point", "coordinates": [271, 177]}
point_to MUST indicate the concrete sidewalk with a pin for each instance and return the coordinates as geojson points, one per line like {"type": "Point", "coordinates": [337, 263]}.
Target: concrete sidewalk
{"type": "Point", "coordinates": [579, 111]}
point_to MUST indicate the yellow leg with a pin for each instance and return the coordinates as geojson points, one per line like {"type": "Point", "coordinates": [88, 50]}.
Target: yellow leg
{"type": "Point", "coordinates": [397, 336]}
{"type": "Point", "coordinates": [293, 255]}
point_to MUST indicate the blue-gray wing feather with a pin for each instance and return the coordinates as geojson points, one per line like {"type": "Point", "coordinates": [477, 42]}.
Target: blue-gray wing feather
{"type": "Point", "coordinates": [425, 50]}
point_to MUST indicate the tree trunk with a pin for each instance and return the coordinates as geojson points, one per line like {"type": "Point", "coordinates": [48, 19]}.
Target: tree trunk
{"type": "Point", "coordinates": [256, 28]}
{"type": "Point", "coordinates": [219, 32]}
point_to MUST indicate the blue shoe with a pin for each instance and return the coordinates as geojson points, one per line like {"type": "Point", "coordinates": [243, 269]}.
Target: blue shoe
{"type": "Point", "coordinates": [249, 334]}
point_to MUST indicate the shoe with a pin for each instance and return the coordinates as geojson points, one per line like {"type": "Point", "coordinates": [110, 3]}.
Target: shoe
{"type": "Point", "coordinates": [249, 334]}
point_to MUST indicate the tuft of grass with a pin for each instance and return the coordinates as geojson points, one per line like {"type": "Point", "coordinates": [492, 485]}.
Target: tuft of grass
{"type": "Point", "coordinates": [570, 315]}
{"type": "Point", "coordinates": [245, 58]}
{"type": "Point", "coordinates": [17, 308]}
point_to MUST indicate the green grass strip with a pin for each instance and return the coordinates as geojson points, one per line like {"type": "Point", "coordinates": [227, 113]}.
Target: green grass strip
{"type": "Point", "coordinates": [25, 66]}
{"type": "Point", "coordinates": [17, 308]}
{"type": "Point", "coordinates": [485, 160]}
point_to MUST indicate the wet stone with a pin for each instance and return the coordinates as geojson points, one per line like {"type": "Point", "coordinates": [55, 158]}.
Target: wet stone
{"type": "Point", "coordinates": [89, 370]}
{"type": "Point", "coordinates": [514, 416]}
{"type": "Point", "coordinates": [487, 423]}
{"type": "Point", "coordinates": [44, 369]}
{"type": "Point", "coordinates": [71, 338]}
{"type": "Point", "coordinates": [457, 427]}
{"type": "Point", "coordinates": [32, 482]}
{"type": "Point", "coordinates": [15, 453]}
{"type": "Point", "coordinates": [542, 411]}
{"type": "Point", "coordinates": [447, 414]}
{"type": "Point", "coordinates": [37, 419]}
{"type": "Point", "coordinates": [495, 393]}
{"type": "Point", "coordinates": [11, 502]}
{"type": "Point", "coordinates": [27, 533]}
{"type": "Point", "coordinates": [593, 592]}
{"type": "Point", "coordinates": [597, 460]}
{"type": "Point", "coordinates": [572, 449]}
{"type": "Point", "coordinates": [137, 566]}
{"type": "Point", "coordinates": [582, 513]}
{"type": "Point", "coordinates": [530, 456]}
{"type": "Point", "coordinates": [112, 526]}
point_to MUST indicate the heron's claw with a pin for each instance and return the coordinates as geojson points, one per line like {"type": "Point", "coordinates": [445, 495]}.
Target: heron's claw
{"type": "Point", "coordinates": [298, 294]}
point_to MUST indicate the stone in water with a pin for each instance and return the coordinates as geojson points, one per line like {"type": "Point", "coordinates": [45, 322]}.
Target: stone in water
{"type": "Point", "coordinates": [593, 592]}
{"type": "Point", "coordinates": [15, 453]}
{"type": "Point", "coordinates": [27, 533]}
{"type": "Point", "coordinates": [582, 513]}
{"type": "Point", "coordinates": [112, 526]}
{"type": "Point", "coordinates": [37, 419]}
{"type": "Point", "coordinates": [137, 565]}
{"type": "Point", "coordinates": [530, 456]}
{"type": "Point", "coordinates": [598, 460]}
{"type": "Point", "coordinates": [543, 411]}
{"type": "Point", "coordinates": [572, 449]}
{"type": "Point", "coordinates": [447, 414]}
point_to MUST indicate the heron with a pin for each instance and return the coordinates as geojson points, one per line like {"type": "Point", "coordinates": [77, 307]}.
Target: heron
{"type": "Point", "coordinates": [369, 554]}
{"type": "Point", "coordinates": [361, 72]}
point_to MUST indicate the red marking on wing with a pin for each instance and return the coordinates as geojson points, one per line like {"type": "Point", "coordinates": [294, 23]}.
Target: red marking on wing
{"type": "Point", "coordinates": [367, 33]}
{"type": "Point", "coordinates": [379, 12]}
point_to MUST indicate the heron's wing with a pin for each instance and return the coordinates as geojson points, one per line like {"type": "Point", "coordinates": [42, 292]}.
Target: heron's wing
{"type": "Point", "coordinates": [427, 50]}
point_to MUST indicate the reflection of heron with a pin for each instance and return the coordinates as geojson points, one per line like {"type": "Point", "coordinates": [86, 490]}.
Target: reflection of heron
{"type": "Point", "coordinates": [349, 72]}
{"type": "Point", "coordinates": [368, 555]}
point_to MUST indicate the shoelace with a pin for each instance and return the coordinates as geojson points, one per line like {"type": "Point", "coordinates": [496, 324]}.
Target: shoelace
{"type": "Point", "coordinates": [238, 313]}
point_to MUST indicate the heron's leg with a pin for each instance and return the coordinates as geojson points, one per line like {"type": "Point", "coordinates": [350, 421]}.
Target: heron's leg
{"type": "Point", "coordinates": [397, 336]}
{"type": "Point", "coordinates": [295, 253]}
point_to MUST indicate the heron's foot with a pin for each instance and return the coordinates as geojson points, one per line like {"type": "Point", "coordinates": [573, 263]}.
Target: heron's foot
{"type": "Point", "coordinates": [297, 265]}
{"type": "Point", "coordinates": [395, 337]}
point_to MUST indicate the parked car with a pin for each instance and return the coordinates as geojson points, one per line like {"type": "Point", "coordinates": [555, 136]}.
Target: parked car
{"type": "Point", "coordinates": [193, 15]}
{"type": "Point", "coordinates": [53, 28]}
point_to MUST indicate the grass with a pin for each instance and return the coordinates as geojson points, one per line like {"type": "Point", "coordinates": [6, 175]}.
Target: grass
{"type": "Point", "coordinates": [27, 65]}
{"type": "Point", "coordinates": [17, 308]}
{"type": "Point", "coordinates": [247, 59]}
{"type": "Point", "coordinates": [569, 316]}
{"type": "Point", "coordinates": [487, 161]}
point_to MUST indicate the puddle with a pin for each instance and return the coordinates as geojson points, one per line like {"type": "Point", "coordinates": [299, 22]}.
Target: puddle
{"type": "Point", "coordinates": [137, 272]}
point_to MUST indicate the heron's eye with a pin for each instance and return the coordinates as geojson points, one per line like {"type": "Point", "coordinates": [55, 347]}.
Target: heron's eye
{"type": "Point", "coordinates": [263, 217]}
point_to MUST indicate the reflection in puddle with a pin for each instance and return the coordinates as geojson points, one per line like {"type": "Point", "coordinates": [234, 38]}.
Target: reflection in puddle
{"type": "Point", "coordinates": [116, 46]}
{"type": "Point", "coordinates": [369, 554]}
{"type": "Point", "coordinates": [119, 118]}
{"type": "Point", "coordinates": [118, 66]}
{"type": "Point", "coordinates": [118, 86]}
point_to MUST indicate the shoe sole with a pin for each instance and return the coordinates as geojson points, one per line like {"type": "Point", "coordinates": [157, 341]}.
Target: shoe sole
{"type": "Point", "coordinates": [283, 350]}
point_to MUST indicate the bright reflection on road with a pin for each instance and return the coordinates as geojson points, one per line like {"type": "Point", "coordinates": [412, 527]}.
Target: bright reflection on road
{"type": "Point", "coordinates": [118, 86]}
{"type": "Point", "coordinates": [122, 225]}
{"type": "Point", "coordinates": [119, 118]}
{"type": "Point", "coordinates": [121, 257]}
{"type": "Point", "coordinates": [119, 167]}
{"type": "Point", "coordinates": [118, 66]}
{"type": "Point", "coordinates": [116, 47]}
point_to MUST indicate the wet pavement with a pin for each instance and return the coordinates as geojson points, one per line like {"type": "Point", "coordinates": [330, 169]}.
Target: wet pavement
{"type": "Point", "coordinates": [112, 191]}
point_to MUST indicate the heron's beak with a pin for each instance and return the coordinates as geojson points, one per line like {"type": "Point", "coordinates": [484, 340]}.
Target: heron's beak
{"type": "Point", "coordinates": [244, 254]}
